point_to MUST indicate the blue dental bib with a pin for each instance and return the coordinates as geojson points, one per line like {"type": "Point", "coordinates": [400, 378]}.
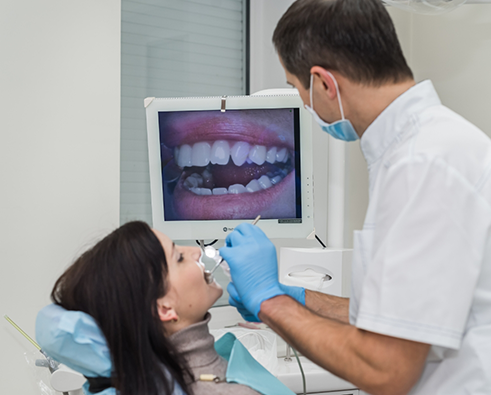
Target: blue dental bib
{"type": "Point", "coordinates": [244, 369]}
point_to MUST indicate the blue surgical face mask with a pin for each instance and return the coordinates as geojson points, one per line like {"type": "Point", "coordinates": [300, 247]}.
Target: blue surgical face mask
{"type": "Point", "coordinates": [342, 129]}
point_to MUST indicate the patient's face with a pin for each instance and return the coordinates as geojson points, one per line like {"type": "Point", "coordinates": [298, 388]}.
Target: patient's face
{"type": "Point", "coordinates": [190, 295]}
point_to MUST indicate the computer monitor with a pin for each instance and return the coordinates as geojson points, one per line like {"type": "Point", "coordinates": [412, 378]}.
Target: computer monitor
{"type": "Point", "coordinates": [216, 162]}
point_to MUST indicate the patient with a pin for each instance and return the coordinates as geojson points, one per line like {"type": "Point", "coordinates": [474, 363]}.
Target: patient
{"type": "Point", "coordinates": [150, 300]}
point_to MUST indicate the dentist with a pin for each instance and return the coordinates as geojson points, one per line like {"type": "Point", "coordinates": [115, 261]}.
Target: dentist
{"type": "Point", "coordinates": [419, 318]}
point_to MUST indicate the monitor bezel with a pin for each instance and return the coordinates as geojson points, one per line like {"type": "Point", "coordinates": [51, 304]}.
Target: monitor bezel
{"type": "Point", "coordinates": [219, 229]}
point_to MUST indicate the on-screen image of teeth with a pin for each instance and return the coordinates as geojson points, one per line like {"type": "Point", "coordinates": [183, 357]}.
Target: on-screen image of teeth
{"type": "Point", "coordinates": [232, 165]}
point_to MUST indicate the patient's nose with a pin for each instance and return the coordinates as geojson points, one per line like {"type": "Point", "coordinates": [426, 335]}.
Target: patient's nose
{"type": "Point", "coordinates": [196, 253]}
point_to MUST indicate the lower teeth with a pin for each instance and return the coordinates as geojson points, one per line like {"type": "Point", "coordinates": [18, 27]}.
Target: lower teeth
{"type": "Point", "coordinates": [194, 184]}
{"type": "Point", "coordinates": [201, 182]}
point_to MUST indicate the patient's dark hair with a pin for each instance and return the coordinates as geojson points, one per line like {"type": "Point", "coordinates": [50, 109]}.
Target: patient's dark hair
{"type": "Point", "coordinates": [353, 37]}
{"type": "Point", "coordinates": [118, 282]}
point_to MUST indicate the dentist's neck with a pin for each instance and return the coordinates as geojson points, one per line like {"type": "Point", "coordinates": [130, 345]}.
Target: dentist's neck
{"type": "Point", "coordinates": [363, 104]}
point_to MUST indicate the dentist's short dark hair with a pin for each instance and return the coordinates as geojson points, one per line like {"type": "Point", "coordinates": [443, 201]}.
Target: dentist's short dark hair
{"type": "Point", "coordinates": [356, 38]}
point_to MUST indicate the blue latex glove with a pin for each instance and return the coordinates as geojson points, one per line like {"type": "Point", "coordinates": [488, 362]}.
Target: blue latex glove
{"type": "Point", "coordinates": [235, 300]}
{"type": "Point", "coordinates": [297, 293]}
{"type": "Point", "coordinates": [253, 266]}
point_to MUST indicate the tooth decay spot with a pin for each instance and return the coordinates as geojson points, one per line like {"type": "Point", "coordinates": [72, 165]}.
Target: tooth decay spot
{"type": "Point", "coordinates": [207, 179]}
{"type": "Point", "coordinates": [191, 182]}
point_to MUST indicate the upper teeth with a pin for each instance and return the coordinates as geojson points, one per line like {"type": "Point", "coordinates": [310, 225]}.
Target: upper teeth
{"type": "Point", "coordinates": [220, 151]}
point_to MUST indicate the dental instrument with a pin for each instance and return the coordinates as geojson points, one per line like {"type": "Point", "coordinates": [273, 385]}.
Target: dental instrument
{"type": "Point", "coordinates": [213, 253]}
{"type": "Point", "coordinates": [256, 220]}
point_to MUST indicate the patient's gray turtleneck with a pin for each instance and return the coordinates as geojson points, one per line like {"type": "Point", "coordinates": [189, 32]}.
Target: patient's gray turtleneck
{"type": "Point", "coordinates": [196, 345]}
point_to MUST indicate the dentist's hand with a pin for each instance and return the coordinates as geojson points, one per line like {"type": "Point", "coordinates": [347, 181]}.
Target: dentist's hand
{"type": "Point", "coordinates": [253, 266]}
{"type": "Point", "coordinates": [297, 293]}
{"type": "Point", "coordinates": [235, 300]}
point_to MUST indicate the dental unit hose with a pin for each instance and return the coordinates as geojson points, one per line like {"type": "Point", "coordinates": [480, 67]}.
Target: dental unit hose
{"type": "Point", "coordinates": [304, 384]}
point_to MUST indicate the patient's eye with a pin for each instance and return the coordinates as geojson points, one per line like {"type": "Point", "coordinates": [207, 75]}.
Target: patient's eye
{"type": "Point", "coordinates": [181, 257]}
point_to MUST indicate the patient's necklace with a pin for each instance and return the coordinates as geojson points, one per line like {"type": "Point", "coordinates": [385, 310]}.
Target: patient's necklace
{"type": "Point", "coordinates": [211, 377]}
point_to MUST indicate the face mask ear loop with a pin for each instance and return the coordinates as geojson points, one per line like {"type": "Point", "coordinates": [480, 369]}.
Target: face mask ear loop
{"type": "Point", "coordinates": [339, 95]}
{"type": "Point", "coordinates": [311, 80]}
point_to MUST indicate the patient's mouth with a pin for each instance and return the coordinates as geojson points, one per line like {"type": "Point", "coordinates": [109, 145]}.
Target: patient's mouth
{"type": "Point", "coordinates": [223, 167]}
{"type": "Point", "coordinates": [210, 176]}
{"type": "Point", "coordinates": [228, 166]}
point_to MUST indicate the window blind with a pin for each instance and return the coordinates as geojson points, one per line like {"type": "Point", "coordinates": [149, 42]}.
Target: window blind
{"type": "Point", "coordinates": [172, 48]}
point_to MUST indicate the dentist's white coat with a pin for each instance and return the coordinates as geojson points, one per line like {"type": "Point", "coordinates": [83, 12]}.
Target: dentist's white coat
{"type": "Point", "coordinates": [422, 263]}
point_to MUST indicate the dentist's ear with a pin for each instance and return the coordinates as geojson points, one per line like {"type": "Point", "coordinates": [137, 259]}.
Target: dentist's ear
{"type": "Point", "coordinates": [327, 84]}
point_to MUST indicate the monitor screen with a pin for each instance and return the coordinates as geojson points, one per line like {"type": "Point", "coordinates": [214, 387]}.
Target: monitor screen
{"type": "Point", "coordinates": [232, 165]}
{"type": "Point", "coordinates": [218, 168]}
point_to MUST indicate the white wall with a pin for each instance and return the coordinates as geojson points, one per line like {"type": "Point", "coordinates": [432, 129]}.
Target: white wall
{"type": "Point", "coordinates": [454, 51]}
{"type": "Point", "coordinates": [266, 71]}
{"type": "Point", "coordinates": [59, 153]}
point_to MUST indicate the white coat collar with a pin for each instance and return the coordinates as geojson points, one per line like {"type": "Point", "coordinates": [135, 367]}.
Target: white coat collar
{"type": "Point", "coordinates": [390, 124]}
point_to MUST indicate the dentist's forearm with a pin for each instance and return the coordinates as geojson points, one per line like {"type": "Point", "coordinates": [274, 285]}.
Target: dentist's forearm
{"type": "Point", "coordinates": [375, 363]}
{"type": "Point", "coordinates": [328, 306]}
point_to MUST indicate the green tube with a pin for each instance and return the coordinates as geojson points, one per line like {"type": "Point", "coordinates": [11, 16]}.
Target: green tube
{"type": "Point", "coordinates": [22, 332]}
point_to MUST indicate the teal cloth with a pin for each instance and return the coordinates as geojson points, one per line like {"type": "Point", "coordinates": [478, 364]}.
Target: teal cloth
{"type": "Point", "coordinates": [244, 369]}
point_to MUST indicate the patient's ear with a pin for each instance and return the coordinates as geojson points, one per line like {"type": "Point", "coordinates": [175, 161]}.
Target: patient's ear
{"type": "Point", "coordinates": [166, 311]}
